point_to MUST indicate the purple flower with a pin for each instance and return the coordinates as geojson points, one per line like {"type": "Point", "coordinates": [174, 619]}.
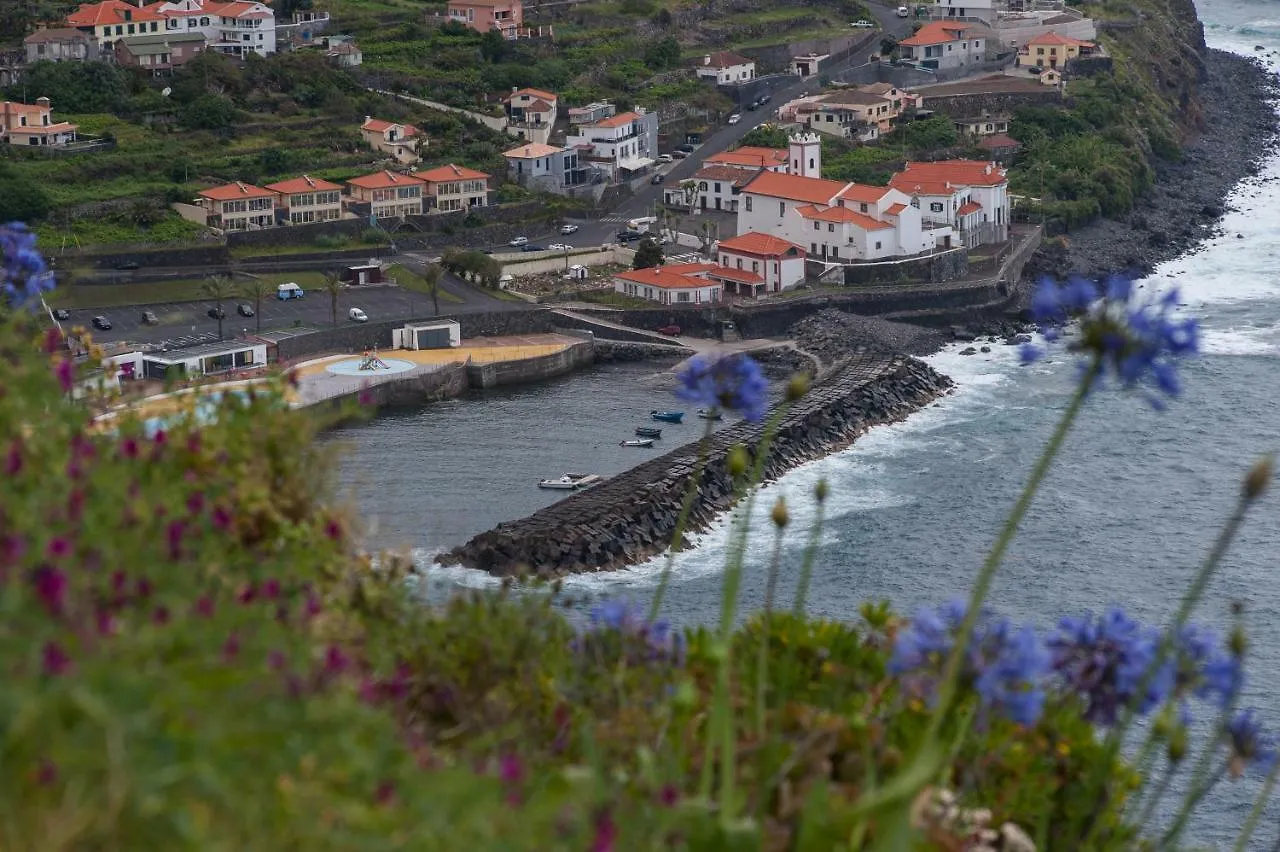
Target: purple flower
{"type": "Point", "coordinates": [1004, 664]}
{"type": "Point", "coordinates": [1105, 660]}
{"type": "Point", "coordinates": [56, 661]}
{"type": "Point", "coordinates": [51, 586]}
{"type": "Point", "coordinates": [729, 383]}
{"type": "Point", "coordinates": [615, 621]}
{"type": "Point", "coordinates": [66, 373]}
{"type": "Point", "coordinates": [335, 660]}
{"type": "Point", "coordinates": [1202, 668]}
{"type": "Point", "coordinates": [221, 519]}
{"type": "Point", "coordinates": [1250, 743]}
{"type": "Point", "coordinates": [23, 274]}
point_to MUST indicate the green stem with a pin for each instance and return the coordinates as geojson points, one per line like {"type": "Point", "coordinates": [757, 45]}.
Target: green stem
{"type": "Point", "coordinates": [1246, 832]}
{"type": "Point", "coordinates": [686, 508]}
{"type": "Point", "coordinates": [1194, 797]}
{"type": "Point", "coordinates": [766, 629]}
{"type": "Point", "coordinates": [1157, 794]}
{"type": "Point", "coordinates": [806, 567]}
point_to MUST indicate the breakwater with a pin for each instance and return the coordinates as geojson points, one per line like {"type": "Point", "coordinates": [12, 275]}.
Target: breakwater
{"type": "Point", "coordinates": [632, 516]}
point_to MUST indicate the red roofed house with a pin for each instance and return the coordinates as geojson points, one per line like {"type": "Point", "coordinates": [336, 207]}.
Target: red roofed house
{"type": "Point", "coordinates": [619, 145]}
{"type": "Point", "coordinates": [531, 113]}
{"type": "Point", "coordinates": [506, 16]}
{"type": "Point", "coordinates": [306, 199]}
{"type": "Point", "coordinates": [404, 142]}
{"type": "Point", "coordinates": [1000, 147]}
{"type": "Point", "coordinates": [803, 156]}
{"type": "Point", "coordinates": [724, 68]}
{"type": "Point", "coordinates": [972, 196]}
{"type": "Point", "coordinates": [385, 195]}
{"type": "Point", "coordinates": [32, 125]}
{"type": "Point", "coordinates": [1052, 50]}
{"type": "Point", "coordinates": [234, 28]}
{"type": "Point", "coordinates": [113, 19]}
{"type": "Point", "coordinates": [942, 45]}
{"type": "Point", "coordinates": [239, 206]}
{"type": "Point", "coordinates": [775, 264]}
{"type": "Point", "coordinates": [674, 284]}
{"type": "Point", "coordinates": [451, 188]}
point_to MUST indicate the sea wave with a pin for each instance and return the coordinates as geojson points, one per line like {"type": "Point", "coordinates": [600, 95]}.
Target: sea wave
{"type": "Point", "coordinates": [1241, 341]}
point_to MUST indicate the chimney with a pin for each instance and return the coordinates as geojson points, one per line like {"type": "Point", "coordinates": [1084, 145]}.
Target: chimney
{"type": "Point", "coordinates": [44, 102]}
{"type": "Point", "coordinates": [706, 60]}
{"type": "Point", "coordinates": [368, 118]}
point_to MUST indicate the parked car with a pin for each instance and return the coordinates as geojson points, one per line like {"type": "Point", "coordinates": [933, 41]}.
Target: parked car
{"type": "Point", "coordinates": [61, 314]}
{"type": "Point", "coordinates": [560, 247]}
{"type": "Point", "coordinates": [1034, 69]}
{"type": "Point", "coordinates": [216, 313]}
{"type": "Point", "coordinates": [679, 155]}
{"type": "Point", "coordinates": [669, 330]}
{"type": "Point", "coordinates": [735, 118]}
{"type": "Point", "coordinates": [129, 264]}
{"type": "Point", "coordinates": [518, 242]}
{"type": "Point", "coordinates": [904, 12]}
{"type": "Point", "coordinates": [150, 318]}
{"type": "Point", "coordinates": [569, 229]}
{"type": "Point", "coordinates": [765, 98]}
{"type": "Point", "coordinates": [686, 147]}
{"type": "Point", "coordinates": [101, 322]}
{"type": "Point", "coordinates": [629, 236]}
{"type": "Point", "coordinates": [657, 179]}
{"type": "Point", "coordinates": [665, 158]}
{"type": "Point", "coordinates": [244, 309]}
{"type": "Point", "coordinates": [753, 106]}
{"type": "Point", "coordinates": [357, 315]}
{"type": "Point", "coordinates": [863, 25]}
{"type": "Point", "coordinates": [531, 247]}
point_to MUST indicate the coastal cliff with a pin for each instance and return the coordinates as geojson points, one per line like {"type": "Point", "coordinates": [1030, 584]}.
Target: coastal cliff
{"type": "Point", "coordinates": [632, 517]}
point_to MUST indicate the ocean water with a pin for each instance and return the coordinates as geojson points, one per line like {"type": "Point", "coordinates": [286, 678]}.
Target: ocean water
{"type": "Point", "coordinates": [1127, 512]}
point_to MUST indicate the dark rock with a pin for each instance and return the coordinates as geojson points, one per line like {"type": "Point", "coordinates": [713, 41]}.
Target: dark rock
{"type": "Point", "coordinates": [968, 350]}
{"type": "Point", "coordinates": [985, 349]}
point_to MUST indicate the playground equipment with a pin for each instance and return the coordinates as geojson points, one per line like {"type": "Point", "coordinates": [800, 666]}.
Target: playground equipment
{"type": "Point", "coordinates": [371, 361]}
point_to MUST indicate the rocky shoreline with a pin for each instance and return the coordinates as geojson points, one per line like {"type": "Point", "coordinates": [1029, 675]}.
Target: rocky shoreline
{"type": "Point", "coordinates": [632, 516]}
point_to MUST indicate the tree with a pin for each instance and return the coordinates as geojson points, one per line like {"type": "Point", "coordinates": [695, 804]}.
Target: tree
{"type": "Point", "coordinates": [78, 87]}
{"type": "Point", "coordinates": [431, 275]}
{"type": "Point", "coordinates": [333, 286]}
{"type": "Point", "coordinates": [255, 290]}
{"type": "Point", "coordinates": [21, 200]}
{"type": "Point", "coordinates": [888, 45]}
{"type": "Point", "coordinates": [208, 112]}
{"type": "Point", "coordinates": [218, 288]}
{"type": "Point", "coordinates": [662, 54]}
{"type": "Point", "coordinates": [708, 233]}
{"type": "Point", "coordinates": [648, 254]}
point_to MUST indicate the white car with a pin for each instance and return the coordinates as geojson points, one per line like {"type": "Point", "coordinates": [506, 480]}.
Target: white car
{"type": "Point", "coordinates": [357, 315]}
{"type": "Point", "coordinates": [863, 25]}
{"type": "Point", "coordinates": [560, 247]}
{"type": "Point", "coordinates": [568, 229]}
{"type": "Point", "coordinates": [666, 158]}
{"type": "Point", "coordinates": [519, 241]}
{"type": "Point", "coordinates": [735, 118]}
{"type": "Point", "coordinates": [904, 12]}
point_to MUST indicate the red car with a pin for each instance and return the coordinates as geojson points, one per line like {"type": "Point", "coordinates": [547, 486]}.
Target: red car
{"type": "Point", "coordinates": [669, 330]}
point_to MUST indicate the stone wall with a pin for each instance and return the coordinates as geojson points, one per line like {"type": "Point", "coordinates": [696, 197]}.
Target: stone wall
{"type": "Point", "coordinates": [214, 254]}
{"type": "Point", "coordinates": [553, 261]}
{"type": "Point", "coordinates": [613, 351]}
{"type": "Point", "coordinates": [297, 235]}
{"type": "Point", "coordinates": [531, 369]}
{"type": "Point", "coordinates": [632, 516]}
{"type": "Point", "coordinates": [936, 268]}
{"type": "Point", "coordinates": [583, 321]}
{"type": "Point", "coordinates": [996, 103]}
{"type": "Point", "coordinates": [447, 382]}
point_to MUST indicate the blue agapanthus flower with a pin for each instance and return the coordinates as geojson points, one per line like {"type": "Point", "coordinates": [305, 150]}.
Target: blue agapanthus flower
{"type": "Point", "coordinates": [1250, 743]}
{"type": "Point", "coordinates": [729, 383]}
{"type": "Point", "coordinates": [1136, 341]}
{"type": "Point", "coordinates": [1203, 668]}
{"type": "Point", "coordinates": [1004, 664]}
{"type": "Point", "coordinates": [24, 275]}
{"type": "Point", "coordinates": [1105, 660]}
{"type": "Point", "coordinates": [621, 627]}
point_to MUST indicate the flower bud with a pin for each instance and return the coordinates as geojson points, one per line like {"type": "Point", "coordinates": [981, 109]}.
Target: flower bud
{"type": "Point", "coordinates": [820, 490]}
{"type": "Point", "coordinates": [779, 514]}
{"type": "Point", "coordinates": [1164, 724]}
{"type": "Point", "coordinates": [1259, 476]}
{"type": "Point", "coordinates": [797, 387]}
{"type": "Point", "coordinates": [1237, 642]}
{"type": "Point", "coordinates": [737, 460]}
{"type": "Point", "coordinates": [1237, 608]}
{"type": "Point", "coordinates": [1178, 744]}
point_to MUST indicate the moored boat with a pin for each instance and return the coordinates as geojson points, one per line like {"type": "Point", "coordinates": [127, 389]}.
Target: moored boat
{"type": "Point", "coordinates": [710, 413]}
{"type": "Point", "coordinates": [642, 442]}
{"type": "Point", "coordinates": [648, 432]}
{"type": "Point", "coordinates": [571, 481]}
{"type": "Point", "coordinates": [667, 416]}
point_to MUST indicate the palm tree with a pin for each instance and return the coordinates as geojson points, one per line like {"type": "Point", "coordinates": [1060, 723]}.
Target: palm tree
{"type": "Point", "coordinates": [333, 286]}
{"type": "Point", "coordinates": [432, 274]}
{"type": "Point", "coordinates": [218, 288]}
{"type": "Point", "coordinates": [255, 289]}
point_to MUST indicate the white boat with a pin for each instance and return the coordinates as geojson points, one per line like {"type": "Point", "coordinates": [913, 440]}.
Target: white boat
{"type": "Point", "coordinates": [710, 413]}
{"type": "Point", "coordinates": [571, 481]}
{"type": "Point", "coordinates": [643, 442]}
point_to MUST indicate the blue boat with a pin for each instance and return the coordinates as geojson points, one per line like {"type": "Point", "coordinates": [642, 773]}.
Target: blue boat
{"type": "Point", "coordinates": [667, 416]}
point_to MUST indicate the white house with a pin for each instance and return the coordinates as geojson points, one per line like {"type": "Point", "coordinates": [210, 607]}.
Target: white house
{"type": "Point", "coordinates": [718, 187]}
{"type": "Point", "coordinates": [531, 113]}
{"type": "Point", "coordinates": [675, 284]}
{"type": "Point", "coordinates": [725, 68]}
{"type": "Point", "coordinates": [970, 196]}
{"type": "Point", "coordinates": [984, 10]}
{"type": "Point", "coordinates": [620, 145]}
{"type": "Point", "coordinates": [752, 158]}
{"type": "Point", "coordinates": [114, 19]}
{"type": "Point", "coordinates": [404, 142]}
{"type": "Point", "coordinates": [237, 28]}
{"type": "Point", "coordinates": [943, 45]}
{"type": "Point", "coordinates": [773, 264]}
{"type": "Point", "coordinates": [305, 199]}
{"type": "Point", "coordinates": [547, 167]}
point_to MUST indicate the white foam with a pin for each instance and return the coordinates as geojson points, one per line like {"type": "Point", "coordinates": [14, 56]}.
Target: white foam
{"type": "Point", "coordinates": [1241, 341]}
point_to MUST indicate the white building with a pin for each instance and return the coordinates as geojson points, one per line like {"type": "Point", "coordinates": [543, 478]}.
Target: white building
{"type": "Point", "coordinates": [773, 264]}
{"type": "Point", "coordinates": [752, 159]}
{"type": "Point", "coordinates": [943, 45]}
{"type": "Point", "coordinates": [984, 10]}
{"type": "Point", "coordinates": [970, 196]}
{"type": "Point", "coordinates": [676, 284]}
{"type": "Point", "coordinates": [404, 142]}
{"type": "Point", "coordinates": [725, 68]}
{"type": "Point", "coordinates": [620, 145]}
{"type": "Point", "coordinates": [531, 114]}
{"type": "Point", "coordinates": [239, 206]}
{"type": "Point", "coordinates": [720, 181]}
{"type": "Point", "coordinates": [305, 199]}
{"type": "Point", "coordinates": [237, 28]}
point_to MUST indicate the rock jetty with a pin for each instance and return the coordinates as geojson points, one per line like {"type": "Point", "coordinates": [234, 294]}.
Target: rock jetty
{"type": "Point", "coordinates": [632, 516]}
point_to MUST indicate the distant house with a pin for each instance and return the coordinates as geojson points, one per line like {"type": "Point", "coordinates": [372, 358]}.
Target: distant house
{"type": "Point", "coordinates": [984, 10]}
{"type": "Point", "coordinates": [230, 27]}
{"type": "Point", "coordinates": [725, 68]}
{"type": "Point", "coordinates": [943, 45]}
{"type": "Point", "coordinates": [239, 206]}
{"type": "Point", "coordinates": [63, 44]}
{"type": "Point", "coordinates": [762, 264]}
{"type": "Point", "coordinates": [1000, 146]}
{"type": "Point", "coordinates": [531, 114]}
{"type": "Point", "coordinates": [591, 113]}
{"type": "Point", "coordinates": [505, 16]}
{"type": "Point", "coordinates": [620, 145]}
{"type": "Point", "coordinates": [114, 19]}
{"type": "Point", "coordinates": [451, 188]}
{"type": "Point", "coordinates": [752, 158]}
{"type": "Point", "coordinates": [1051, 77]}
{"type": "Point", "coordinates": [32, 125]}
{"type": "Point", "coordinates": [1052, 50]}
{"type": "Point", "coordinates": [344, 54]}
{"type": "Point", "coordinates": [385, 195]}
{"type": "Point", "coordinates": [159, 53]}
{"type": "Point", "coordinates": [306, 199]}
{"type": "Point", "coordinates": [985, 125]}
{"type": "Point", "coordinates": [970, 196]}
{"type": "Point", "coordinates": [404, 142]}
{"type": "Point", "coordinates": [718, 187]}
{"type": "Point", "coordinates": [550, 168]}
{"type": "Point", "coordinates": [674, 284]}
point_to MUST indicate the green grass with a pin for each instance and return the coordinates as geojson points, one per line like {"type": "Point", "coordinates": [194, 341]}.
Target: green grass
{"type": "Point", "coordinates": [337, 244]}
{"type": "Point", "coordinates": [156, 292]}
{"type": "Point", "coordinates": [409, 280]}
{"type": "Point", "coordinates": [613, 299]}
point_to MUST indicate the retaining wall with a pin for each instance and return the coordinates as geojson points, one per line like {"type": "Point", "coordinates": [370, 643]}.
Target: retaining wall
{"type": "Point", "coordinates": [530, 369]}
{"type": "Point", "coordinates": [996, 103]}
{"type": "Point", "coordinates": [552, 261]}
{"type": "Point", "coordinates": [447, 382]}
{"type": "Point", "coordinates": [632, 516]}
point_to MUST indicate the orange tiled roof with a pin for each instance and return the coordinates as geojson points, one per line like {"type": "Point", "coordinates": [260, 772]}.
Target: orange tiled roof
{"type": "Point", "coordinates": [306, 183]}
{"type": "Point", "coordinates": [999, 140]}
{"type": "Point", "coordinates": [749, 155]}
{"type": "Point", "coordinates": [936, 32]}
{"type": "Point", "coordinates": [737, 275]}
{"type": "Point", "coordinates": [764, 245]}
{"type": "Point", "coordinates": [895, 209]}
{"type": "Point", "coordinates": [733, 174]}
{"type": "Point", "coordinates": [665, 278]}
{"type": "Point", "coordinates": [843, 214]}
{"type": "Point", "coordinates": [864, 194]}
{"type": "Point", "coordinates": [384, 180]}
{"type": "Point", "coordinates": [538, 105]}
{"type": "Point", "coordinates": [532, 151]}
{"type": "Point", "coordinates": [17, 106]}
{"type": "Point", "coordinates": [795, 187]}
{"type": "Point", "coordinates": [533, 93]}
{"type": "Point", "coordinates": [722, 59]}
{"type": "Point", "coordinates": [377, 125]}
{"type": "Point", "coordinates": [945, 176]}
{"type": "Point", "coordinates": [232, 191]}
{"type": "Point", "coordinates": [111, 12]}
{"type": "Point", "coordinates": [1052, 38]}
{"type": "Point", "coordinates": [968, 207]}
{"type": "Point", "coordinates": [450, 172]}
{"type": "Point", "coordinates": [619, 120]}
{"type": "Point", "coordinates": [237, 9]}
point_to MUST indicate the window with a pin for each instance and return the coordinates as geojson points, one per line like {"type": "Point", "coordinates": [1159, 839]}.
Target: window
{"type": "Point", "coordinates": [748, 203]}
{"type": "Point", "coordinates": [811, 163]}
{"type": "Point", "coordinates": [682, 297]}
{"type": "Point", "coordinates": [717, 188]}
{"type": "Point", "coordinates": [755, 266]}
{"type": "Point", "coordinates": [936, 207]}
{"type": "Point", "coordinates": [831, 228]}
{"type": "Point", "coordinates": [817, 226]}
{"type": "Point", "coordinates": [862, 208]}
{"type": "Point", "coordinates": [782, 208]}
{"type": "Point", "coordinates": [835, 252]}
{"type": "Point", "coordinates": [813, 248]}
{"type": "Point", "coordinates": [877, 244]}
{"type": "Point", "coordinates": [724, 260]}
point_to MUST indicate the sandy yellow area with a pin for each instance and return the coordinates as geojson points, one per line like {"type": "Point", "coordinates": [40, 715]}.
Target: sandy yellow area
{"type": "Point", "coordinates": [487, 350]}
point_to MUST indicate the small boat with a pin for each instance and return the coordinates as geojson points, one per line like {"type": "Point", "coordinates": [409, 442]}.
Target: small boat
{"type": "Point", "coordinates": [647, 443]}
{"type": "Point", "coordinates": [648, 432]}
{"type": "Point", "coordinates": [667, 416]}
{"type": "Point", "coordinates": [571, 481]}
{"type": "Point", "coordinates": [710, 413]}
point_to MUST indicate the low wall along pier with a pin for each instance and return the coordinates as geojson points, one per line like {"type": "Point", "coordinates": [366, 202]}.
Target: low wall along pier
{"type": "Point", "coordinates": [631, 517]}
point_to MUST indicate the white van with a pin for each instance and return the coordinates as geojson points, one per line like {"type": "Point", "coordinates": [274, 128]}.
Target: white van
{"type": "Point", "coordinates": [285, 292]}
{"type": "Point", "coordinates": [357, 315]}
{"type": "Point", "coordinates": [641, 224]}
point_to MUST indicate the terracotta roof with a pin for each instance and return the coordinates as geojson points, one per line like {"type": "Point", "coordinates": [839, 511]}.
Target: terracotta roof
{"type": "Point", "coordinates": [111, 12]}
{"type": "Point", "coordinates": [749, 155]}
{"type": "Point", "coordinates": [450, 172]}
{"type": "Point", "coordinates": [894, 209]}
{"type": "Point", "coordinates": [852, 97]}
{"type": "Point", "coordinates": [936, 32]}
{"type": "Point", "coordinates": [302, 184]}
{"type": "Point", "coordinates": [878, 88]}
{"type": "Point", "coordinates": [232, 191]}
{"type": "Point", "coordinates": [532, 151]}
{"type": "Point", "coordinates": [44, 130]}
{"type": "Point", "coordinates": [733, 174]}
{"type": "Point", "coordinates": [843, 214]}
{"type": "Point", "coordinates": [945, 176]}
{"type": "Point", "coordinates": [483, 2]}
{"type": "Point", "coordinates": [237, 9]}
{"type": "Point", "coordinates": [377, 125]}
{"type": "Point", "coordinates": [736, 275]}
{"type": "Point", "coordinates": [664, 278]}
{"type": "Point", "coordinates": [691, 268]}
{"type": "Point", "coordinates": [795, 187]}
{"type": "Point", "coordinates": [15, 107]}
{"type": "Point", "coordinates": [863, 193]}
{"type": "Point", "coordinates": [1052, 38]}
{"type": "Point", "coordinates": [533, 93]}
{"type": "Point", "coordinates": [56, 34]}
{"type": "Point", "coordinates": [384, 180]}
{"type": "Point", "coordinates": [722, 59]}
{"type": "Point", "coordinates": [538, 105]}
{"type": "Point", "coordinates": [619, 120]}
{"type": "Point", "coordinates": [997, 141]}
{"type": "Point", "coordinates": [968, 207]}
{"type": "Point", "coordinates": [764, 245]}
